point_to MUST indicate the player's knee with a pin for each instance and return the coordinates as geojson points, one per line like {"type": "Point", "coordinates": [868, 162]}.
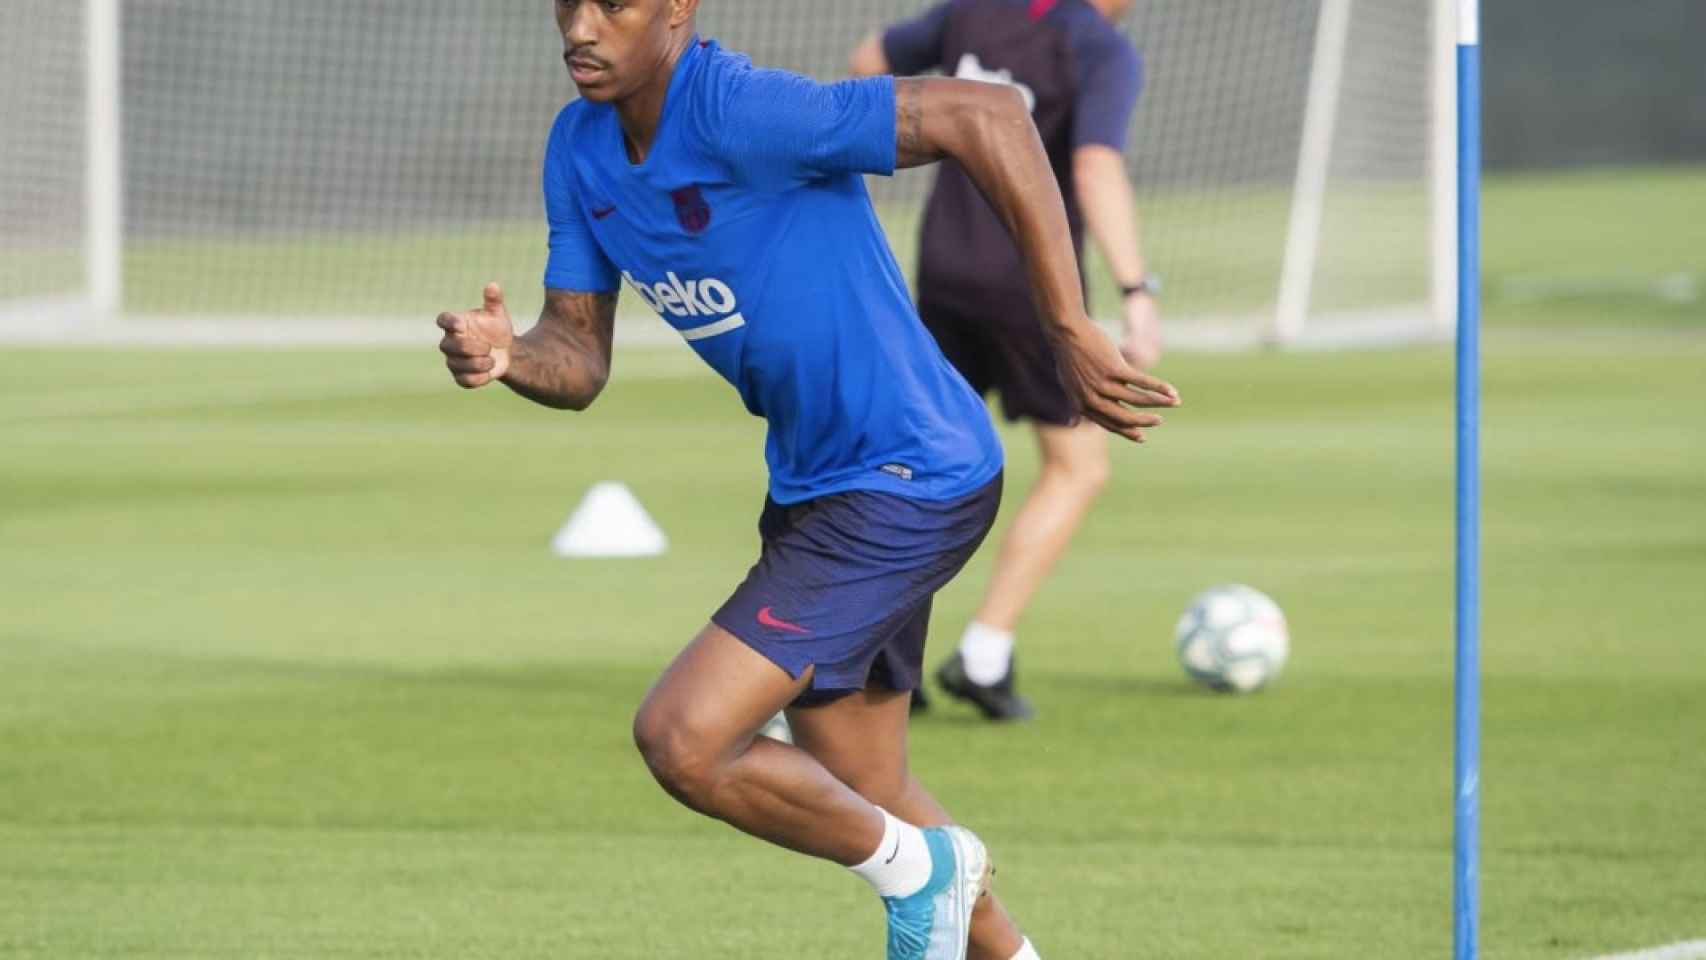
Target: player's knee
{"type": "Point", "coordinates": [683, 763]}
{"type": "Point", "coordinates": [1086, 475]}
{"type": "Point", "coordinates": [1094, 473]}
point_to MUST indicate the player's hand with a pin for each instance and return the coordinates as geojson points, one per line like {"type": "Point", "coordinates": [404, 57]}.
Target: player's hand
{"type": "Point", "coordinates": [476, 343]}
{"type": "Point", "coordinates": [1110, 392]}
{"type": "Point", "coordinates": [1140, 343]}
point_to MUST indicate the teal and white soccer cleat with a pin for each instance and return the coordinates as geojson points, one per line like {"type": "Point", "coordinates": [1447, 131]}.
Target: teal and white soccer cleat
{"type": "Point", "coordinates": [933, 923]}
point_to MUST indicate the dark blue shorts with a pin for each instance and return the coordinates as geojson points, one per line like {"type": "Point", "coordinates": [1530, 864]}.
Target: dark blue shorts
{"type": "Point", "coordinates": [843, 583]}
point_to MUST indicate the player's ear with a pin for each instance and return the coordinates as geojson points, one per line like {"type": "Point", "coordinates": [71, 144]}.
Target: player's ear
{"type": "Point", "coordinates": [682, 11]}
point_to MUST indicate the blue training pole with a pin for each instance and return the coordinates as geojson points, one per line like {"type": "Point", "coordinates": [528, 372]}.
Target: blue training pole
{"type": "Point", "coordinates": [1467, 819]}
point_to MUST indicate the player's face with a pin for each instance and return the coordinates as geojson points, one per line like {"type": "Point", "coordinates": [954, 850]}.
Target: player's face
{"type": "Point", "coordinates": [614, 47]}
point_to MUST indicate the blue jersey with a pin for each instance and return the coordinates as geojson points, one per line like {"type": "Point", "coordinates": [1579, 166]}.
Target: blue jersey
{"type": "Point", "coordinates": [748, 229]}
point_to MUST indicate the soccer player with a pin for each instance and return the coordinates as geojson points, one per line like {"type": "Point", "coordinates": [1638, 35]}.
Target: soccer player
{"type": "Point", "coordinates": [1080, 78]}
{"type": "Point", "coordinates": [730, 199]}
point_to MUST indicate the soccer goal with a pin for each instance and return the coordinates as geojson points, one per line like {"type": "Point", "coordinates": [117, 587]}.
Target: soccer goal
{"type": "Point", "coordinates": [201, 170]}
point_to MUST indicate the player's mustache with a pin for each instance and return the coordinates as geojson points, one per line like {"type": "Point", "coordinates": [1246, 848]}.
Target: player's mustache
{"type": "Point", "coordinates": [572, 57]}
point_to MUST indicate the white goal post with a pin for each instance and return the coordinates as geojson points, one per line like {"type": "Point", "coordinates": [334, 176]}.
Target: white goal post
{"type": "Point", "coordinates": [104, 250]}
{"type": "Point", "coordinates": [1303, 235]}
{"type": "Point", "coordinates": [310, 172]}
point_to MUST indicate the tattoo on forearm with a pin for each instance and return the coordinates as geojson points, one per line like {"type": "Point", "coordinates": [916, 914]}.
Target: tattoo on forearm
{"type": "Point", "coordinates": [911, 149]}
{"type": "Point", "coordinates": [565, 359]}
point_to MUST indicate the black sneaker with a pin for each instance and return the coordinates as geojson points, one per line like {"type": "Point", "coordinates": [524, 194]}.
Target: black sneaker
{"type": "Point", "coordinates": [998, 701]}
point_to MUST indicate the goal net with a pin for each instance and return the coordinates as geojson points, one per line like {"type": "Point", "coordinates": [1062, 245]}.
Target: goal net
{"type": "Point", "coordinates": [191, 170]}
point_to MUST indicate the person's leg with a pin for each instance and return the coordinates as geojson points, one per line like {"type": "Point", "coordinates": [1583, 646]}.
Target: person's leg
{"type": "Point", "coordinates": [696, 730]}
{"type": "Point", "coordinates": [1075, 468]}
{"type": "Point", "coordinates": [838, 599]}
{"type": "Point", "coordinates": [861, 739]}
{"type": "Point", "coordinates": [1023, 369]}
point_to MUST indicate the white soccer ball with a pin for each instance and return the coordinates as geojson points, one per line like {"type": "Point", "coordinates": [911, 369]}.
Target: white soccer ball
{"type": "Point", "coordinates": [1232, 638]}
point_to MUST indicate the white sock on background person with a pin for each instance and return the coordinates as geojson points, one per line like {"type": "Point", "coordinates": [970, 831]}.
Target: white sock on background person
{"type": "Point", "coordinates": [986, 652]}
{"type": "Point", "coordinates": [901, 865]}
{"type": "Point", "coordinates": [1027, 952]}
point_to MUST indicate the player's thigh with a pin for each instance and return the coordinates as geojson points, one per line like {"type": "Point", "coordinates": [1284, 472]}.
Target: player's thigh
{"type": "Point", "coordinates": [860, 739]}
{"type": "Point", "coordinates": [714, 696]}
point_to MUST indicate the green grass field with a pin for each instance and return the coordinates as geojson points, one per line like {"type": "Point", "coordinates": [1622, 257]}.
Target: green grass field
{"type": "Point", "coordinates": [287, 670]}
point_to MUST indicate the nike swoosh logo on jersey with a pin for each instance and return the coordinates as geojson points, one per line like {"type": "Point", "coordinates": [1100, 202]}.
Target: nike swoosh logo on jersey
{"type": "Point", "coordinates": [768, 619]}
{"type": "Point", "coordinates": [601, 214]}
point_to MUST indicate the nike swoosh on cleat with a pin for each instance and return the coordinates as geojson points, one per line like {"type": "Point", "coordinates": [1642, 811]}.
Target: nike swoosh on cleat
{"type": "Point", "coordinates": [601, 214]}
{"type": "Point", "coordinates": [768, 619]}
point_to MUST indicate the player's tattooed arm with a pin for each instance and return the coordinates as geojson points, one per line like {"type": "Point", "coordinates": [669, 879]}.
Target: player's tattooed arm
{"type": "Point", "coordinates": [986, 128]}
{"type": "Point", "coordinates": [563, 362]}
{"type": "Point", "coordinates": [910, 147]}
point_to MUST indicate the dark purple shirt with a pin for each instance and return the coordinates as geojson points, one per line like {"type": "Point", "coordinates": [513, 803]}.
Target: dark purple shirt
{"type": "Point", "coordinates": [1081, 78]}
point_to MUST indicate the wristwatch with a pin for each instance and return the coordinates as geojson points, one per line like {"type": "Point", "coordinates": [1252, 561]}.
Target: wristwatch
{"type": "Point", "coordinates": [1150, 284]}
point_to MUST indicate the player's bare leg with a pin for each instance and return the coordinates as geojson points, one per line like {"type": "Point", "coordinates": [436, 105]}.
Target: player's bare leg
{"type": "Point", "coordinates": [696, 729]}
{"type": "Point", "coordinates": [861, 739]}
{"type": "Point", "coordinates": [1074, 470]}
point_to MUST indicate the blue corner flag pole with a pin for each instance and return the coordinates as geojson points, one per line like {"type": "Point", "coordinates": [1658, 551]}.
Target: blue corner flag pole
{"type": "Point", "coordinates": [1467, 804]}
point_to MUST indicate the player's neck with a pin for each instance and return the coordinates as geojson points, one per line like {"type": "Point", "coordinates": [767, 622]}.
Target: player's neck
{"type": "Point", "coordinates": [641, 111]}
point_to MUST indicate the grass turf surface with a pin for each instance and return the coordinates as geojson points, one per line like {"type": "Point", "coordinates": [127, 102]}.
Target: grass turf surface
{"type": "Point", "coordinates": [286, 669]}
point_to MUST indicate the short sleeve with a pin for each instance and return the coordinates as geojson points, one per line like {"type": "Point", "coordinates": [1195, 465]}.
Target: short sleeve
{"type": "Point", "coordinates": [776, 127]}
{"type": "Point", "coordinates": [575, 260]}
{"type": "Point", "coordinates": [914, 46]}
{"type": "Point", "coordinates": [1111, 78]}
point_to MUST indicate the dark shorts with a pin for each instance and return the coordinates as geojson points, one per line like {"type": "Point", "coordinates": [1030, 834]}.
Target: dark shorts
{"type": "Point", "coordinates": [997, 343]}
{"type": "Point", "coordinates": [843, 584]}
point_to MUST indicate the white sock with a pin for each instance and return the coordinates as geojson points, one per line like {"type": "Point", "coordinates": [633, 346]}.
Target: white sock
{"type": "Point", "coordinates": [986, 652]}
{"type": "Point", "coordinates": [1027, 952]}
{"type": "Point", "coordinates": [901, 865]}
